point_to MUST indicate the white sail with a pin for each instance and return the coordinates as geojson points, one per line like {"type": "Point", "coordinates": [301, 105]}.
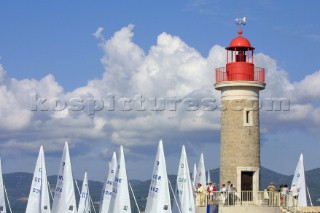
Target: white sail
{"type": "Point", "coordinates": [208, 176]}
{"type": "Point", "coordinates": [64, 200]}
{"type": "Point", "coordinates": [184, 189]}
{"type": "Point", "coordinates": [107, 188]}
{"type": "Point", "coordinates": [300, 182]}
{"type": "Point", "coordinates": [3, 208]}
{"type": "Point", "coordinates": [39, 201]}
{"type": "Point", "coordinates": [158, 200]}
{"type": "Point", "coordinates": [85, 200]}
{"type": "Point", "coordinates": [201, 172]}
{"type": "Point", "coordinates": [194, 175]}
{"type": "Point", "coordinates": [120, 200]}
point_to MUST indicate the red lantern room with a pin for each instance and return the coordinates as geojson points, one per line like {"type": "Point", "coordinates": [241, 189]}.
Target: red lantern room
{"type": "Point", "coordinates": [240, 63]}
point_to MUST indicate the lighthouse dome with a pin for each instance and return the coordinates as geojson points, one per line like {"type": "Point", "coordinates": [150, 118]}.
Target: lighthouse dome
{"type": "Point", "coordinates": [240, 41]}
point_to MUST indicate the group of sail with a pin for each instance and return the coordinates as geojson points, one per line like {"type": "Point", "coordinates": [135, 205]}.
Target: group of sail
{"type": "Point", "coordinates": [115, 192]}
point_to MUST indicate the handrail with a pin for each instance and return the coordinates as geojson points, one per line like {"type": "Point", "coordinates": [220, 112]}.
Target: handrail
{"type": "Point", "coordinates": [291, 204]}
{"type": "Point", "coordinates": [222, 75]}
{"type": "Point", "coordinates": [243, 198]}
{"type": "Point", "coordinates": [254, 199]}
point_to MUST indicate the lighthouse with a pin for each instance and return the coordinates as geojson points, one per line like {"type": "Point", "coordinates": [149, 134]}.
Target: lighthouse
{"type": "Point", "coordinates": [240, 82]}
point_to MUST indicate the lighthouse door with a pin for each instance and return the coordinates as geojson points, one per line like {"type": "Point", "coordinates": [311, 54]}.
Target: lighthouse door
{"type": "Point", "coordinates": [246, 185]}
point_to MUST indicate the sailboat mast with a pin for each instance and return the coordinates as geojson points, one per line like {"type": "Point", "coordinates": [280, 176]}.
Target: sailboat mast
{"type": "Point", "coordinates": [134, 197]}
{"type": "Point", "coordinates": [175, 198]}
{"type": "Point", "coordinates": [94, 209]}
{"type": "Point", "coordinates": [77, 186]}
{"type": "Point", "coordinates": [309, 196]}
{"type": "Point", "coordinates": [5, 191]}
{"type": "Point", "coordinates": [49, 187]}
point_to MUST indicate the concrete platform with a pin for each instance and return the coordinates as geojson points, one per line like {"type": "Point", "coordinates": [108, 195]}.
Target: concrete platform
{"type": "Point", "coordinates": [249, 209]}
{"type": "Point", "coordinates": [239, 209]}
{"type": "Point", "coordinates": [201, 209]}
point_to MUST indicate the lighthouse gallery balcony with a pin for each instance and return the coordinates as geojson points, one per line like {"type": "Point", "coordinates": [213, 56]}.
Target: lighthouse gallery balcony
{"type": "Point", "coordinates": [244, 74]}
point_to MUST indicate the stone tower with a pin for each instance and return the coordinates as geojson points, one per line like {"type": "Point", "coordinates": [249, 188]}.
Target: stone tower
{"type": "Point", "coordinates": [240, 82]}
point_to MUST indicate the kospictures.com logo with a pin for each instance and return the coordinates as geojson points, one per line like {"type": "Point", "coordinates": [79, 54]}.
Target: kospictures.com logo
{"type": "Point", "coordinates": [140, 103]}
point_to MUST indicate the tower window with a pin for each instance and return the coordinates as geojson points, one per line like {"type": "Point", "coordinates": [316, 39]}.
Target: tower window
{"type": "Point", "coordinates": [241, 56]}
{"type": "Point", "coordinates": [247, 117]}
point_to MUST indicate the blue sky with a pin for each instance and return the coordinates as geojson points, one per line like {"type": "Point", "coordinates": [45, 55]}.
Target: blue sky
{"type": "Point", "coordinates": [49, 37]}
{"type": "Point", "coordinates": [49, 47]}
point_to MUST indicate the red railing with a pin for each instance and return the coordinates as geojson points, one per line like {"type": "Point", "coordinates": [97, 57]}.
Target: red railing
{"type": "Point", "coordinates": [222, 75]}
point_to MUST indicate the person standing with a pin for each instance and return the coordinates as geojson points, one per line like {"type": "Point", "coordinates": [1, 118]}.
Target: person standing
{"type": "Point", "coordinates": [211, 189]}
{"type": "Point", "coordinates": [231, 189]}
{"type": "Point", "coordinates": [295, 194]}
{"type": "Point", "coordinates": [201, 198]}
{"type": "Point", "coordinates": [223, 192]}
{"type": "Point", "coordinates": [271, 187]}
{"type": "Point", "coordinates": [284, 193]}
{"type": "Point", "coordinates": [272, 190]}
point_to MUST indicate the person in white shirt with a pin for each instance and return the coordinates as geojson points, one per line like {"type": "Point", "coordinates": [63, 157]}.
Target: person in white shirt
{"type": "Point", "coordinates": [295, 193]}
{"type": "Point", "coordinates": [223, 191]}
{"type": "Point", "coordinates": [284, 192]}
{"type": "Point", "coordinates": [231, 189]}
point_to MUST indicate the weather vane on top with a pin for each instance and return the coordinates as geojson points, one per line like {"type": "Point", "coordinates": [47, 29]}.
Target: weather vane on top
{"type": "Point", "coordinates": [240, 21]}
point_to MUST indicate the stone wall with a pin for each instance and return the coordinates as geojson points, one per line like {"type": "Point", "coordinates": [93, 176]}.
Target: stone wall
{"type": "Point", "coordinates": [240, 141]}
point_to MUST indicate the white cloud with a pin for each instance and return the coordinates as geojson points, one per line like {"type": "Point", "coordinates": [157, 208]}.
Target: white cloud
{"type": "Point", "coordinates": [171, 68]}
{"type": "Point", "coordinates": [13, 117]}
{"type": "Point", "coordinates": [2, 74]}
{"type": "Point", "coordinates": [276, 78]}
{"type": "Point", "coordinates": [99, 33]}
{"type": "Point", "coordinates": [308, 89]}
{"type": "Point", "coordinates": [121, 59]}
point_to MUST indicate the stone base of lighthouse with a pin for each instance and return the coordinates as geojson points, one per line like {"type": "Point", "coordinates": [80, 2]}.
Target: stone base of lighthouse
{"type": "Point", "coordinates": [240, 135]}
{"type": "Point", "coordinates": [240, 146]}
